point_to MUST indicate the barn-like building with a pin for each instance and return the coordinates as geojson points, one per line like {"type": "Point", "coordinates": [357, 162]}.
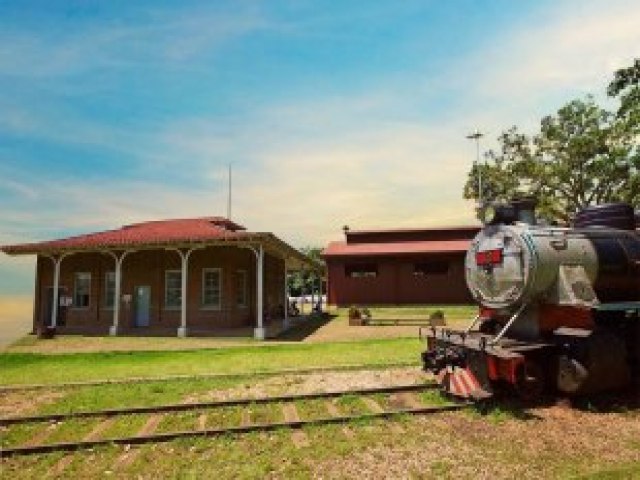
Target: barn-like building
{"type": "Point", "coordinates": [199, 276]}
{"type": "Point", "coordinates": [399, 267]}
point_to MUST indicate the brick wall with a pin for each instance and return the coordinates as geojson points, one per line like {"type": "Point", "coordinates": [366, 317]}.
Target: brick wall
{"type": "Point", "coordinates": [147, 268]}
{"type": "Point", "coordinates": [396, 283]}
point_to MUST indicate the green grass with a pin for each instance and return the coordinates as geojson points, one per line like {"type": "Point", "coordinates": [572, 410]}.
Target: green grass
{"type": "Point", "coordinates": [15, 435]}
{"type": "Point", "coordinates": [125, 426]}
{"type": "Point", "coordinates": [101, 397]}
{"type": "Point", "coordinates": [351, 405]}
{"type": "Point", "coordinates": [225, 417]}
{"type": "Point", "coordinates": [453, 312]}
{"type": "Point", "coordinates": [179, 421]}
{"type": "Point", "coordinates": [25, 368]}
{"type": "Point", "coordinates": [620, 472]}
{"type": "Point", "coordinates": [73, 430]}
{"type": "Point", "coordinates": [312, 409]}
{"type": "Point", "coordinates": [265, 413]}
{"type": "Point", "coordinates": [433, 398]}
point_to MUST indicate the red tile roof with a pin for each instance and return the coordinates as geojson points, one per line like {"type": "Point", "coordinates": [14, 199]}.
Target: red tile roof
{"type": "Point", "coordinates": [168, 233]}
{"type": "Point", "coordinates": [342, 249]}
{"type": "Point", "coordinates": [165, 232]}
{"type": "Point", "coordinates": [453, 228]}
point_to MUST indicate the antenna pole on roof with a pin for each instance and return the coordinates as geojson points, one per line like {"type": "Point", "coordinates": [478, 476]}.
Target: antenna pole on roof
{"type": "Point", "coordinates": [229, 195]}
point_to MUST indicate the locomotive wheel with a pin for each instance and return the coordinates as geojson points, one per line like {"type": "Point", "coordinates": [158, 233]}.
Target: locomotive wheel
{"type": "Point", "coordinates": [530, 382]}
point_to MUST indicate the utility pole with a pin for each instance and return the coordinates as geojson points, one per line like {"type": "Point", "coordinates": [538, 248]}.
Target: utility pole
{"type": "Point", "coordinates": [229, 196]}
{"type": "Point", "coordinates": [476, 135]}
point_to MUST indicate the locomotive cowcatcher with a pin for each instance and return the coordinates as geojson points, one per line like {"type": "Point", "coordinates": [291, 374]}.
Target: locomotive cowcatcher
{"type": "Point", "coordinates": [559, 308]}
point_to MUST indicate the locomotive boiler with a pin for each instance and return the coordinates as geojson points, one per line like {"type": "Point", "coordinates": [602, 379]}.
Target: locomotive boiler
{"type": "Point", "coordinates": [559, 308]}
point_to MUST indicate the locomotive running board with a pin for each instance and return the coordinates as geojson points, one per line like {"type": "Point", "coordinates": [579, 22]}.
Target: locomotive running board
{"type": "Point", "coordinates": [506, 348]}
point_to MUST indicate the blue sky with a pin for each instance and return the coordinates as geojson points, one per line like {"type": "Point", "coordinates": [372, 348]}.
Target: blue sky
{"type": "Point", "coordinates": [332, 113]}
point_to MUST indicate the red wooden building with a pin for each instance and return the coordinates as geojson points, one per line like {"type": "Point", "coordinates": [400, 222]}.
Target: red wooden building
{"type": "Point", "coordinates": [200, 276]}
{"type": "Point", "coordinates": [395, 267]}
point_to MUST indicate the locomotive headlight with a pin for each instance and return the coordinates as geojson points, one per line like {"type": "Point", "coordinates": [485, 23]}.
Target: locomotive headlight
{"type": "Point", "coordinates": [488, 214]}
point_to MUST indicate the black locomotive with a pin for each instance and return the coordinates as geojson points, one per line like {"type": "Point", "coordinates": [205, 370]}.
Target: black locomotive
{"type": "Point", "coordinates": [559, 308]}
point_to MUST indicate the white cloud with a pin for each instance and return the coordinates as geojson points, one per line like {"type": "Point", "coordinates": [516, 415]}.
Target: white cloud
{"type": "Point", "coordinates": [562, 52]}
{"type": "Point", "coordinates": [159, 37]}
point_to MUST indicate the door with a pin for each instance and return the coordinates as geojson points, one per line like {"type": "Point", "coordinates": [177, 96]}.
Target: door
{"type": "Point", "coordinates": [143, 302]}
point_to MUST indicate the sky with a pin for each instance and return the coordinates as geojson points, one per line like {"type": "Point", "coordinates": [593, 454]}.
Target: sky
{"type": "Point", "coordinates": [331, 113]}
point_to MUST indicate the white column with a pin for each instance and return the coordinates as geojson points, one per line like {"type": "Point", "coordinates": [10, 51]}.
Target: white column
{"type": "Point", "coordinates": [286, 298]}
{"type": "Point", "coordinates": [56, 285]}
{"type": "Point", "coordinates": [184, 256]}
{"type": "Point", "coordinates": [259, 332]}
{"type": "Point", "coordinates": [113, 330]}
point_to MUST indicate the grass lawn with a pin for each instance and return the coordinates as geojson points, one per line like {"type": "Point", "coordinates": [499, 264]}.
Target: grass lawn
{"type": "Point", "coordinates": [313, 330]}
{"type": "Point", "coordinates": [453, 313]}
{"type": "Point", "coordinates": [25, 368]}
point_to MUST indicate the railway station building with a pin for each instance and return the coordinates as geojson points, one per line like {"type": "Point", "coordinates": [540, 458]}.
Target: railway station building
{"type": "Point", "coordinates": [399, 267]}
{"type": "Point", "coordinates": [196, 277]}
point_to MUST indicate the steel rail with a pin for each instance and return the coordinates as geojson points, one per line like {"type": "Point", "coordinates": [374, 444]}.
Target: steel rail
{"type": "Point", "coordinates": [164, 437]}
{"type": "Point", "coordinates": [177, 407]}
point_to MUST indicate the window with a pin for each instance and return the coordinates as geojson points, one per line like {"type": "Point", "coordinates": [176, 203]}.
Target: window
{"type": "Point", "coordinates": [361, 270]}
{"type": "Point", "coordinates": [211, 287]}
{"type": "Point", "coordinates": [435, 267]}
{"type": "Point", "coordinates": [241, 288]}
{"type": "Point", "coordinates": [81, 289]}
{"type": "Point", "coordinates": [109, 289]}
{"type": "Point", "coordinates": [173, 289]}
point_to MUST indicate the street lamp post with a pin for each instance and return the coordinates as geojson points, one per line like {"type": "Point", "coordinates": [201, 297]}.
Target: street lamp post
{"type": "Point", "coordinates": [476, 135]}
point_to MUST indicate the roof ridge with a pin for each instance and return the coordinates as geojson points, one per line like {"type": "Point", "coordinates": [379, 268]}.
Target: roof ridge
{"type": "Point", "coordinates": [168, 220]}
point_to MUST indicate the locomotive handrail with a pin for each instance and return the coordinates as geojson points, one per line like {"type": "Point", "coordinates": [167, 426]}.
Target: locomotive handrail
{"type": "Point", "coordinates": [497, 338]}
{"type": "Point", "coordinates": [473, 324]}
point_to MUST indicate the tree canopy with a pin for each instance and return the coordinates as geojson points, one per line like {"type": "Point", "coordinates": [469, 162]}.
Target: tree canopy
{"type": "Point", "coordinates": [582, 155]}
{"type": "Point", "coordinates": [303, 283]}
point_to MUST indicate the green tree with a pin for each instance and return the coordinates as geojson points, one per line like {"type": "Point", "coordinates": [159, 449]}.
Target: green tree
{"type": "Point", "coordinates": [582, 155]}
{"type": "Point", "coordinates": [625, 86]}
{"type": "Point", "coordinates": [499, 171]}
{"type": "Point", "coordinates": [302, 283]}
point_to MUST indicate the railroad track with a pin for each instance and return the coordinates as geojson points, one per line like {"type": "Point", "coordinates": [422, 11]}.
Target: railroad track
{"type": "Point", "coordinates": [203, 376]}
{"type": "Point", "coordinates": [361, 404]}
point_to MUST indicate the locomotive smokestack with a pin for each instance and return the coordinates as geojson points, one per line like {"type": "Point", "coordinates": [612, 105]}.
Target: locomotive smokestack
{"type": "Point", "coordinates": [525, 210]}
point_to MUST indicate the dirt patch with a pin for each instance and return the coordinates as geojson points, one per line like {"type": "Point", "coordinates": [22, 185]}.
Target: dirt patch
{"type": "Point", "coordinates": [550, 443]}
{"type": "Point", "coordinates": [26, 402]}
{"type": "Point", "coordinates": [317, 382]}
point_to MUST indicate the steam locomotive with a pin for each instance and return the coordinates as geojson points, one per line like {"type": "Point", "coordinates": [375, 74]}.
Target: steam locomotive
{"type": "Point", "coordinates": [559, 308]}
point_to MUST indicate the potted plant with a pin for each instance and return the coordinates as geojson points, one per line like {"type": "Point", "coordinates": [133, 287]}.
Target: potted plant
{"type": "Point", "coordinates": [354, 316]}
